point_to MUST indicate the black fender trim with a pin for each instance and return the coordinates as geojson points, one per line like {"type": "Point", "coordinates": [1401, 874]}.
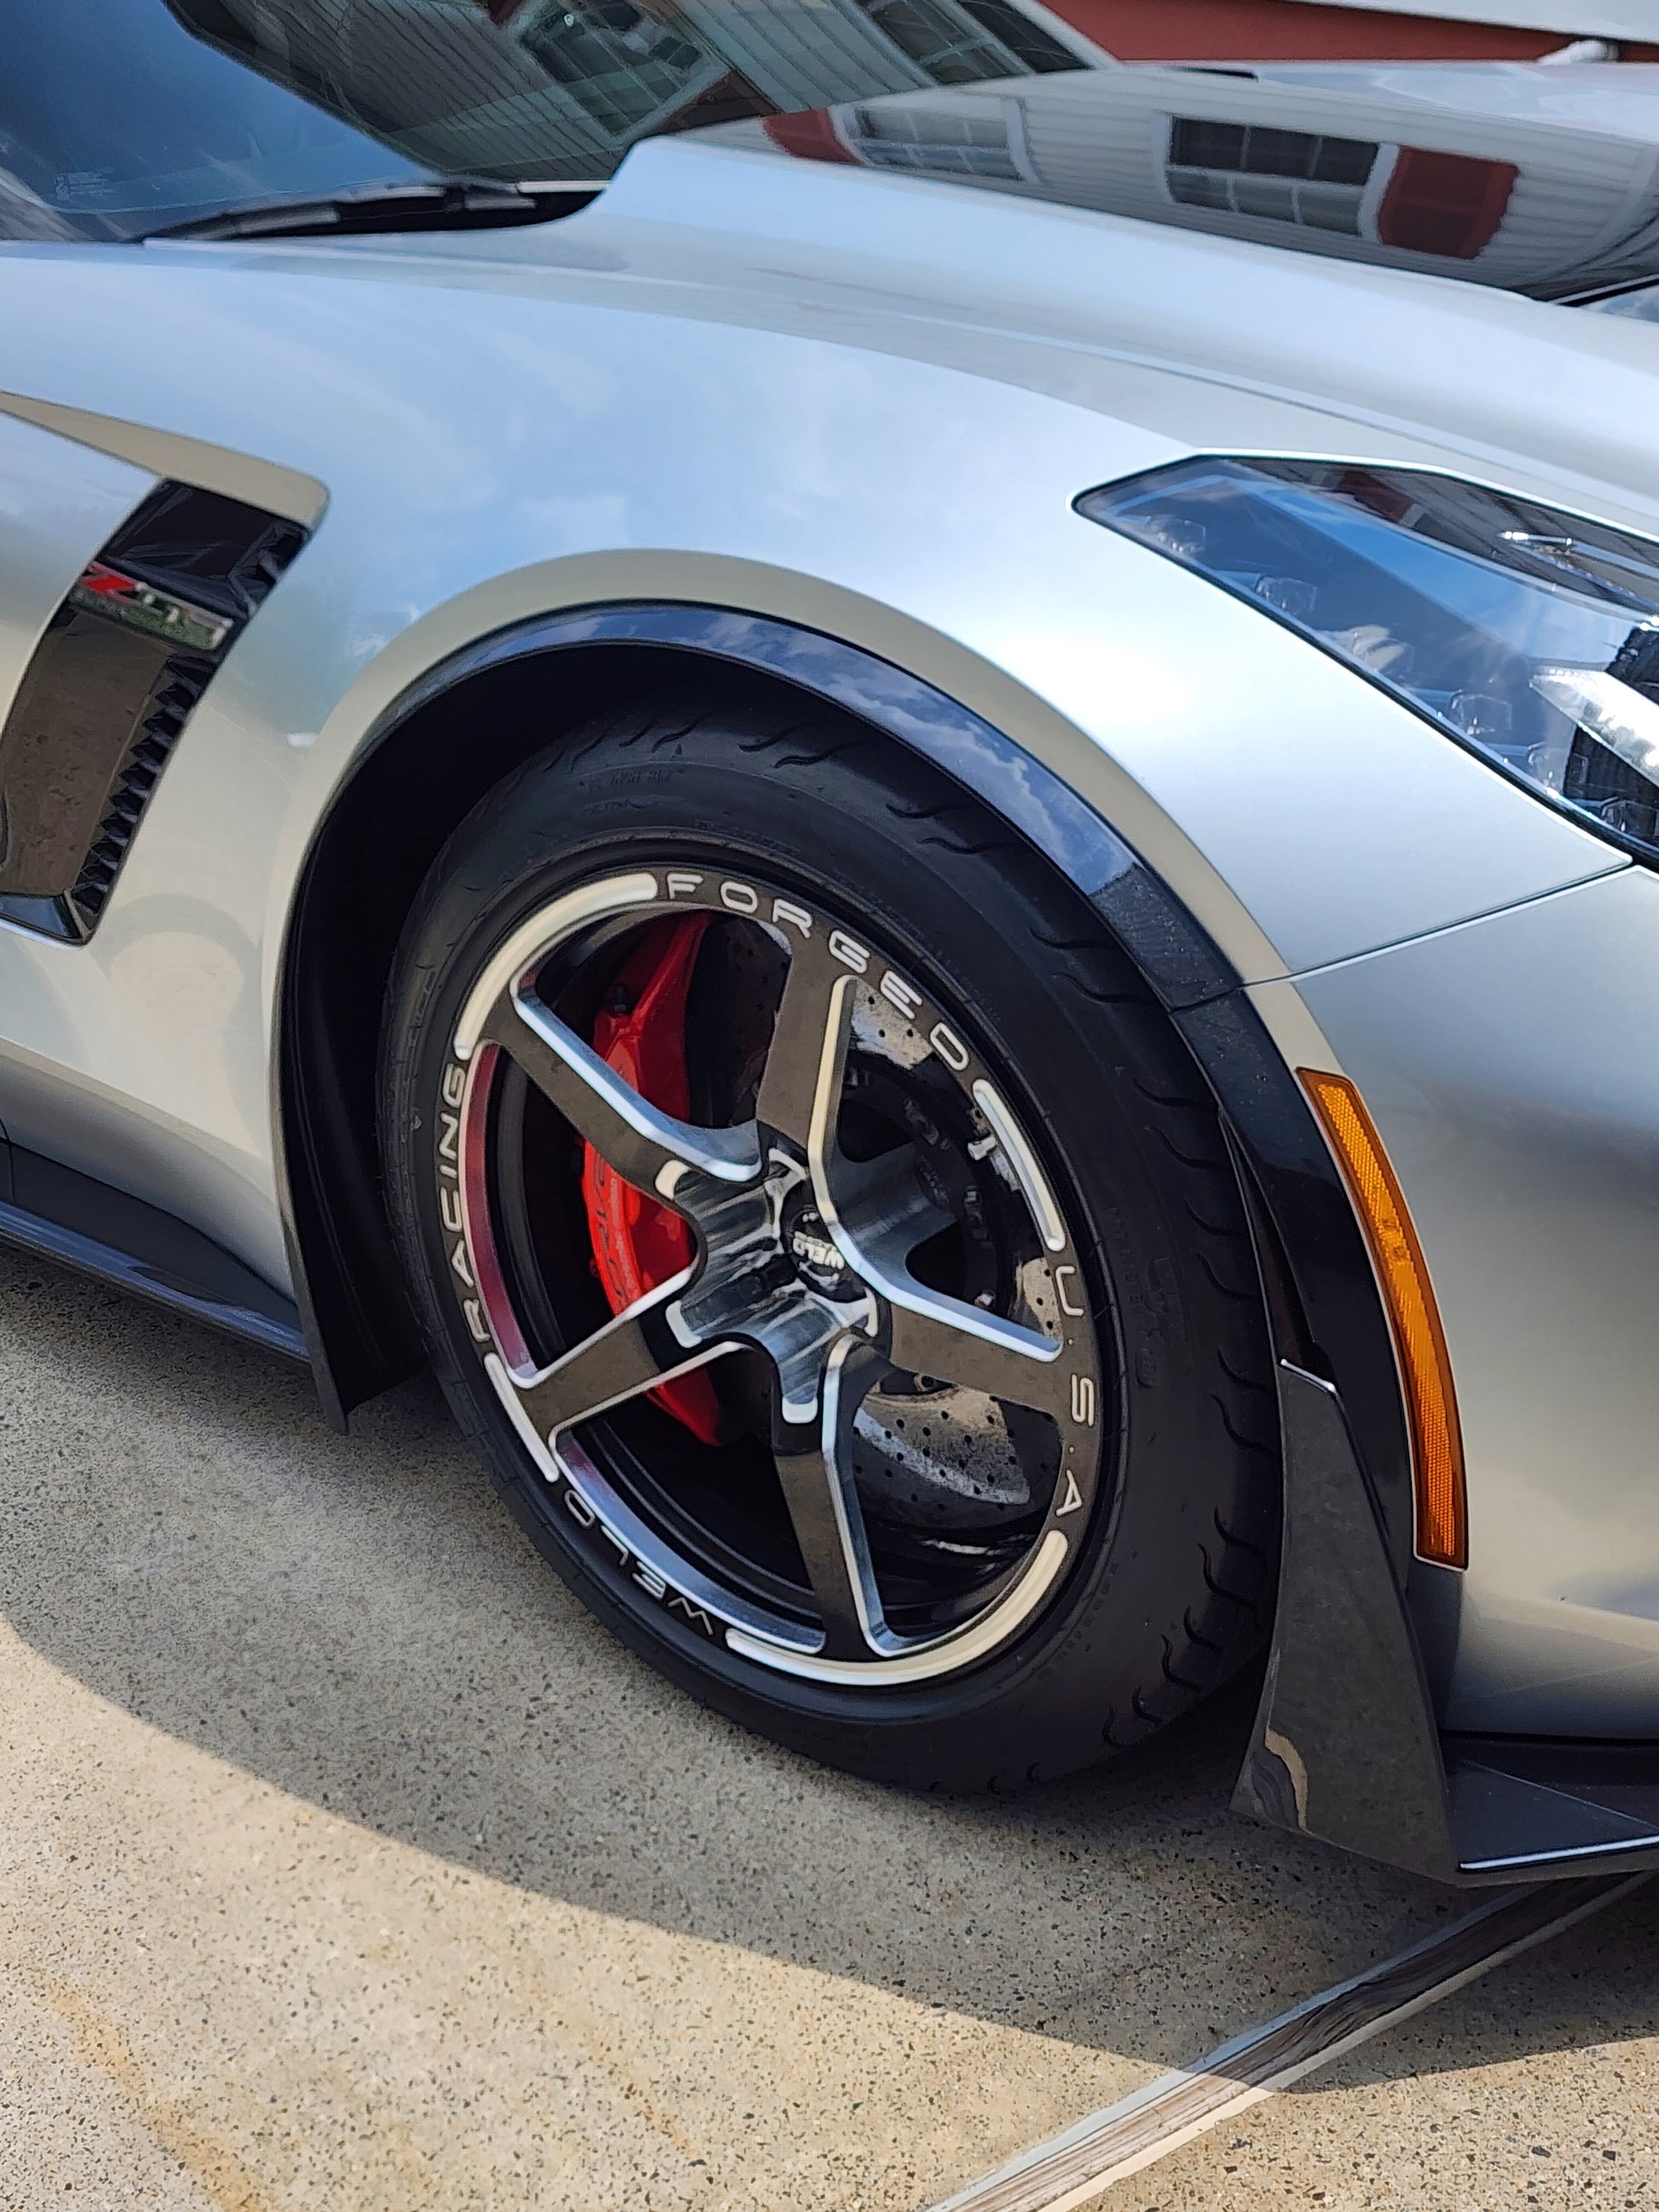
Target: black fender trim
{"type": "Point", "coordinates": [1026, 793]}
{"type": "Point", "coordinates": [64, 1215]}
{"type": "Point", "coordinates": [1327, 1318]}
{"type": "Point", "coordinates": [1525, 1809]}
{"type": "Point", "coordinates": [1344, 1745]}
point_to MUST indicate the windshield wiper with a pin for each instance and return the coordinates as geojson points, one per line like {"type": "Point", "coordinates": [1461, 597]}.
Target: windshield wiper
{"type": "Point", "coordinates": [436, 203]}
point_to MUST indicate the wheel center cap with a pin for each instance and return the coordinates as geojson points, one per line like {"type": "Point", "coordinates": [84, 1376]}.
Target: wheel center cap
{"type": "Point", "coordinates": [812, 1252]}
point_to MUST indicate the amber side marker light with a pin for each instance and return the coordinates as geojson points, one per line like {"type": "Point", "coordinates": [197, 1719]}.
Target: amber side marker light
{"type": "Point", "coordinates": [1419, 1342]}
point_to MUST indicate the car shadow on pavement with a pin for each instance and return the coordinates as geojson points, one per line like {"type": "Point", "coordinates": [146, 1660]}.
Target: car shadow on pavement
{"type": "Point", "coordinates": [357, 1621]}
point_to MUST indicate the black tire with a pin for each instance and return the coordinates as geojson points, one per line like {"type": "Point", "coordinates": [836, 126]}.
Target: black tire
{"type": "Point", "coordinates": [1165, 1593]}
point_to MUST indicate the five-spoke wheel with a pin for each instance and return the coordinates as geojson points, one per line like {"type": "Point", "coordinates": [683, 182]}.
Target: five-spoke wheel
{"type": "Point", "coordinates": [864, 1167]}
{"type": "Point", "coordinates": [835, 1247]}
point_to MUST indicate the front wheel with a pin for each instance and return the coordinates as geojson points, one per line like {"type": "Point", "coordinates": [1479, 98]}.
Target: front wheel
{"type": "Point", "coordinates": [835, 1246]}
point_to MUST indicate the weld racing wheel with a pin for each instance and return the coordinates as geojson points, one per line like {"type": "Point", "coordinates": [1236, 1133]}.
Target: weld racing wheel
{"type": "Point", "coordinates": [835, 1249]}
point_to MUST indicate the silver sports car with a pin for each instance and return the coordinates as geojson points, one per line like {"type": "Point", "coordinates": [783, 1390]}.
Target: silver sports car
{"type": "Point", "coordinates": [908, 788]}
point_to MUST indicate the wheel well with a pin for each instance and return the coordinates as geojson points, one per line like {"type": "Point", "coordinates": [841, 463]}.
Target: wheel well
{"type": "Point", "coordinates": [387, 827]}
{"type": "Point", "coordinates": [430, 766]}
{"type": "Point", "coordinates": [474, 720]}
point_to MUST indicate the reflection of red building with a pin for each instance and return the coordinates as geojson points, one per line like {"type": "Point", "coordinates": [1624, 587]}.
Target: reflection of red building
{"type": "Point", "coordinates": [1311, 30]}
{"type": "Point", "coordinates": [1303, 30]}
{"type": "Point", "coordinates": [1365, 161]}
{"type": "Point", "coordinates": [1306, 30]}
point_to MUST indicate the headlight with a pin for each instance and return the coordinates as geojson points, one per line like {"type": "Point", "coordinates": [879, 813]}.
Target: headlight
{"type": "Point", "coordinates": [1529, 636]}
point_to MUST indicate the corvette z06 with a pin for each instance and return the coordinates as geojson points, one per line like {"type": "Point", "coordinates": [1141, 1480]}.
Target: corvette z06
{"type": "Point", "coordinates": [908, 787]}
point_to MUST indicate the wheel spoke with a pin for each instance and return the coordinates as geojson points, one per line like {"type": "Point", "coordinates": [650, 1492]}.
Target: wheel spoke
{"type": "Point", "coordinates": [823, 1507]}
{"type": "Point", "coordinates": [952, 1342]}
{"type": "Point", "coordinates": [882, 1210]}
{"type": "Point", "coordinates": [647, 1147]}
{"type": "Point", "coordinates": [631, 1354]}
{"type": "Point", "coordinates": [800, 1085]}
{"type": "Point", "coordinates": [884, 1215]}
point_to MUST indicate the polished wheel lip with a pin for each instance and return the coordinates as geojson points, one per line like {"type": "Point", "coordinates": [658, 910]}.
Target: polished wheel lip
{"type": "Point", "coordinates": [632, 1537]}
{"type": "Point", "coordinates": [826, 1352]}
{"type": "Point", "coordinates": [945, 1656]}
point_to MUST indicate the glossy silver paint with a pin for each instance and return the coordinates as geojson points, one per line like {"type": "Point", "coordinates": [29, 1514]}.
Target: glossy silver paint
{"type": "Point", "coordinates": [1512, 1067]}
{"type": "Point", "coordinates": [865, 404]}
{"type": "Point", "coordinates": [58, 502]}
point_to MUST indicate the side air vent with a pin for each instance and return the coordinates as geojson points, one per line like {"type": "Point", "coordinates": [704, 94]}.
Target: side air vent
{"type": "Point", "coordinates": [116, 675]}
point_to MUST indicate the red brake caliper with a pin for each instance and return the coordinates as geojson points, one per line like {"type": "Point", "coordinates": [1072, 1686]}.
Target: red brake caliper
{"type": "Point", "coordinates": [638, 1244]}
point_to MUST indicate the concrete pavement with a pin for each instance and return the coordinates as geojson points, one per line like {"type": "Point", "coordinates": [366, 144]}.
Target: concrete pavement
{"type": "Point", "coordinates": [348, 1867]}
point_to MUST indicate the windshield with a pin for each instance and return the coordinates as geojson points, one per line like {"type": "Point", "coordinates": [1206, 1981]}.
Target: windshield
{"type": "Point", "coordinates": [120, 117]}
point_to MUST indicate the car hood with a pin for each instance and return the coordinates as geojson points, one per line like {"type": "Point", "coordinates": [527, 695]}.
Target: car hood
{"type": "Point", "coordinates": [1194, 330]}
{"type": "Point", "coordinates": [1189, 328]}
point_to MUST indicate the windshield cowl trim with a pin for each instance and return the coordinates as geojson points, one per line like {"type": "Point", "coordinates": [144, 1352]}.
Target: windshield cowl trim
{"type": "Point", "coordinates": [418, 203]}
